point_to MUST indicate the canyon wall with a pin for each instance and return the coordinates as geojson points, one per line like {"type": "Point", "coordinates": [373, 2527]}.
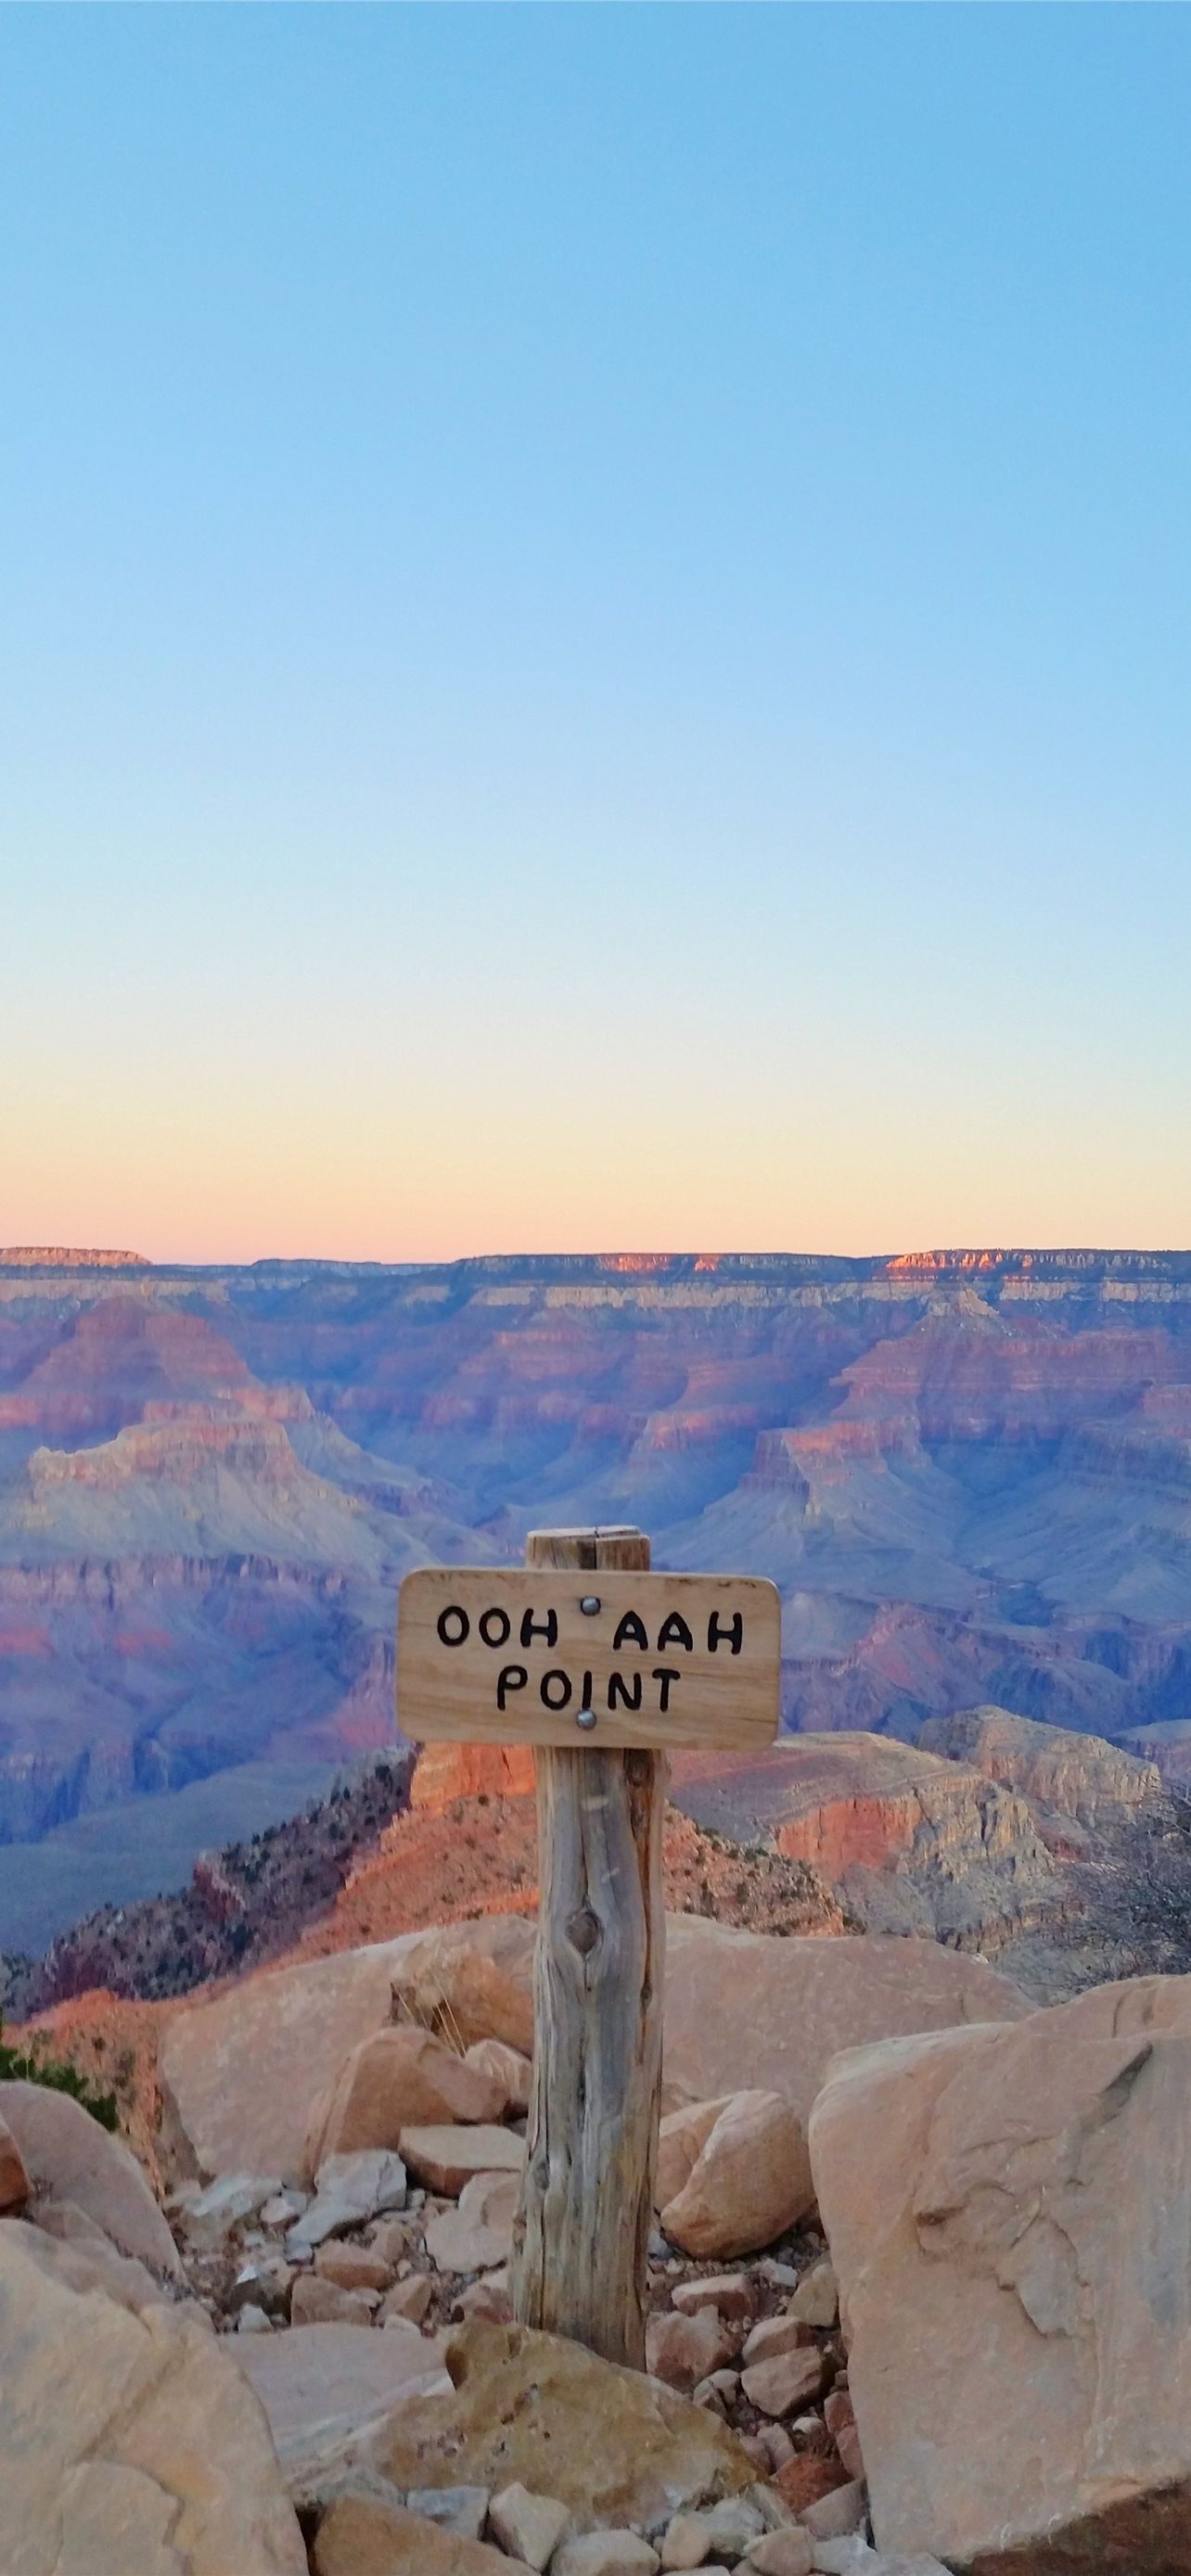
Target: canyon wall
{"type": "Point", "coordinates": [967, 1473]}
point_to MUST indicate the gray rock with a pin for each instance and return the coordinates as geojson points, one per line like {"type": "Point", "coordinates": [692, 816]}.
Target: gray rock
{"type": "Point", "coordinates": [350, 2190]}
{"type": "Point", "coordinates": [458, 2509]}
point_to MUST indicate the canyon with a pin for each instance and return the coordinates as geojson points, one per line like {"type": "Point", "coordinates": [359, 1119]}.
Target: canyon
{"type": "Point", "coordinates": [969, 1475]}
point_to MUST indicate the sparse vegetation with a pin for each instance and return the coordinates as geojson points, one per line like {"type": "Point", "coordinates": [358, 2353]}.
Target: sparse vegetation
{"type": "Point", "coordinates": [25, 2066]}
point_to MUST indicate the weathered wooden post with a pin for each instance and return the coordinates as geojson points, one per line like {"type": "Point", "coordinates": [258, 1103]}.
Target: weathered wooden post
{"type": "Point", "coordinates": [581, 2239]}
{"type": "Point", "coordinates": [602, 1666]}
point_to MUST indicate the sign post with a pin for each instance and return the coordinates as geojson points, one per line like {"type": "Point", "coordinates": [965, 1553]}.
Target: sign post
{"type": "Point", "coordinates": [602, 1666]}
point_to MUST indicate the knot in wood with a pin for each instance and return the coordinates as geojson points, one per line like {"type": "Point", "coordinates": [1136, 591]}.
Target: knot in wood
{"type": "Point", "coordinates": [583, 1930]}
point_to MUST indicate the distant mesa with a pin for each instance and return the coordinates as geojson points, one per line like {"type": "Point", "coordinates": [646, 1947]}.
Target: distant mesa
{"type": "Point", "coordinates": [58, 1256]}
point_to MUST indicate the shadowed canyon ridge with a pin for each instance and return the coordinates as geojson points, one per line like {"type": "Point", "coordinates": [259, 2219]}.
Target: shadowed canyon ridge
{"type": "Point", "coordinates": [969, 1475]}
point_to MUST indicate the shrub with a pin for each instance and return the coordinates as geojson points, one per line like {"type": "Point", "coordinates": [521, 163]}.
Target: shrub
{"type": "Point", "coordinates": [18, 2066]}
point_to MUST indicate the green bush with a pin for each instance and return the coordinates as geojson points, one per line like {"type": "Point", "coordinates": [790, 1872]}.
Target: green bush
{"type": "Point", "coordinates": [17, 2066]}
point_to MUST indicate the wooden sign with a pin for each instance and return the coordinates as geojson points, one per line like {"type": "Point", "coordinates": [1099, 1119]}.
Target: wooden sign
{"type": "Point", "coordinates": [547, 1656]}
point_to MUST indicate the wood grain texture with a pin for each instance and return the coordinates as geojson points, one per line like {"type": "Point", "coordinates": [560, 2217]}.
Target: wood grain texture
{"type": "Point", "coordinates": [582, 2231]}
{"type": "Point", "coordinates": [468, 1670]}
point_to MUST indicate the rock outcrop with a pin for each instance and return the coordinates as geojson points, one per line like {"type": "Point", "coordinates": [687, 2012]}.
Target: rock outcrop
{"type": "Point", "coordinates": [1009, 2212]}
{"type": "Point", "coordinates": [912, 1842]}
{"type": "Point", "coordinates": [1066, 1775]}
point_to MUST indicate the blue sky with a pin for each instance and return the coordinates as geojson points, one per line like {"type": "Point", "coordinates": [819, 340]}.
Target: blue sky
{"type": "Point", "coordinates": [594, 647]}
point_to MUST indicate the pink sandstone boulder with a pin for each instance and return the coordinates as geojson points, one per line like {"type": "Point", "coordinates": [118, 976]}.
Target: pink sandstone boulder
{"type": "Point", "coordinates": [750, 2180]}
{"type": "Point", "coordinates": [242, 2073]}
{"type": "Point", "coordinates": [1009, 2212]}
{"type": "Point", "coordinates": [745, 2011]}
{"type": "Point", "coordinates": [128, 2440]}
{"type": "Point", "coordinates": [68, 2157]}
{"type": "Point", "coordinates": [391, 2081]}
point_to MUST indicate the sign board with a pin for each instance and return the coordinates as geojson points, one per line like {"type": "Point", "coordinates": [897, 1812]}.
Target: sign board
{"type": "Point", "coordinates": [559, 1656]}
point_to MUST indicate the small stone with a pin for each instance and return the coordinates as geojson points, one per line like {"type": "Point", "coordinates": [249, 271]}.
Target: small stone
{"type": "Point", "coordinates": [252, 2320]}
{"type": "Point", "coordinates": [354, 2267]}
{"type": "Point", "coordinates": [808, 2476]}
{"type": "Point", "coordinates": [350, 2190]}
{"type": "Point", "coordinates": [528, 2526]}
{"type": "Point", "coordinates": [226, 2203]}
{"type": "Point", "coordinates": [457, 2509]}
{"type": "Point", "coordinates": [391, 2238]}
{"type": "Point", "coordinates": [266, 2283]}
{"type": "Point", "coordinates": [683, 2350]}
{"type": "Point", "coordinates": [605, 2553]}
{"type": "Point", "coordinates": [731, 2292]}
{"type": "Point", "coordinates": [774, 2335]}
{"type": "Point", "coordinates": [778, 2445]}
{"type": "Point", "coordinates": [732, 2526]}
{"type": "Point", "coordinates": [315, 2302]}
{"type": "Point", "coordinates": [687, 2542]}
{"type": "Point", "coordinates": [777, 2387]}
{"type": "Point", "coordinates": [754, 2444]}
{"type": "Point", "coordinates": [835, 2516]}
{"type": "Point", "coordinates": [710, 2397]}
{"type": "Point", "coordinates": [816, 2299]}
{"type": "Point", "coordinates": [284, 2208]}
{"type": "Point", "coordinates": [488, 2298]}
{"type": "Point", "coordinates": [852, 2557]}
{"type": "Point", "coordinates": [479, 2233]}
{"type": "Point", "coordinates": [778, 2276]}
{"type": "Point", "coordinates": [781, 2553]}
{"type": "Point", "coordinates": [446, 2157]}
{"type": "Point", "coordinates": [409, 2300]}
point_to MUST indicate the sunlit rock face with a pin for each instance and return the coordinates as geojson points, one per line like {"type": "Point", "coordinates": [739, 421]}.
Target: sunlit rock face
{"type": "Point", "coordinates": [966, 1473]}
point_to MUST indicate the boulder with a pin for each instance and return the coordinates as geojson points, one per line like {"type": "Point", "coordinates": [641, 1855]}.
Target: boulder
{"type": "Point", "coordinates": [471, 1982]}
{"type": "Point", "coordinates": [746, 2011]}
{"type": "Point", "coordinates": [127, 2440]}
{"type": "Point", "coordinates": [67, 2156]}
{"type": "Point", "coordinates": [479, 2233]}
{"type": "Point", "coordinates": [445, 2159]}
{"type": "Point", "coordinates": [393, 2080]}
{"type": "Point", "coordinates": [130, 2283]}
{"type": "Point", "coordinates": [682, 2134]}
{"type": "Point", "coordinates": [322, 2385]}
{"type": "Point", "coordinates": [1009, 2212]}
{"type": "Point", "coordinates": [750, 2180]}
{"type": "Point", "coordinates": [508, 2067]}
{"type": "Point", "coordinates": [14, 2181]}
{"type": "Point", "coordinates": [241, 2073]}
{"type": "Point", "coordinates": [364, 2535]}
{"type": "Point", "coordinates": [543, 2412]}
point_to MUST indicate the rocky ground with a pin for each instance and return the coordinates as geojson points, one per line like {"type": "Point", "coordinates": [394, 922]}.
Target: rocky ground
{"type": "Point", "coordinates": [916, 2294]}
